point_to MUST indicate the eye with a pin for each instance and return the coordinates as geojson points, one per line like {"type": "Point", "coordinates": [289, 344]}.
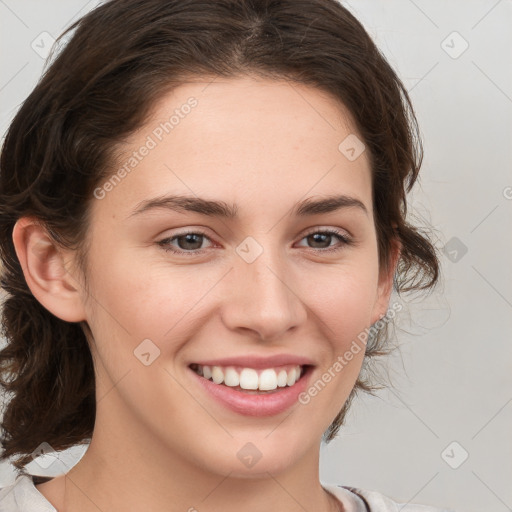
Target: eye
{"type": "Point", "coordinates": [190, 242]}
{"type": "Point", "coordinates": [320, 237]}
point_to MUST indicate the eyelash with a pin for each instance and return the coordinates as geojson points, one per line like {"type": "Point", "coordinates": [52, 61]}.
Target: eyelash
{"type": "Point", "coordinates": [344, 239]}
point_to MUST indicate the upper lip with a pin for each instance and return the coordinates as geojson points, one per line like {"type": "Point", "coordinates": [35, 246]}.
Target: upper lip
{"type": "Point", "coordinates": [259, 362]}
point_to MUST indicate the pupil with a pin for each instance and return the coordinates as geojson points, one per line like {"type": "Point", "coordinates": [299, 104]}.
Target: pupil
{"type": "Point", "coordinates": [321, 235]}
{"type": "Point", "coordinates": [190, 239]}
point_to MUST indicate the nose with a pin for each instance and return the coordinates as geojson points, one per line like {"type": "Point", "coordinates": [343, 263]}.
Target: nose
{"type": "Point", "coordinates": [263, 297]}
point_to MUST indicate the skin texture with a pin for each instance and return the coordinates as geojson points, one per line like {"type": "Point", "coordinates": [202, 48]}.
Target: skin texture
{"type": "Point", "coordinates": [160, 443]}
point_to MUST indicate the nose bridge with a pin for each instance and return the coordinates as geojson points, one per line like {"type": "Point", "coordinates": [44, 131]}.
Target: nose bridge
{"type": "Point", "coordinates": [263, 297]}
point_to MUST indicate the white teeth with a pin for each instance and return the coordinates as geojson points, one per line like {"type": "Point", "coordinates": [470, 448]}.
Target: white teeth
{"type": "Point", "coordinates": [292, 374]}
{"type": "Point", "coordinates": [249, 379]}
{"type": "Point", "coordinates": [267, 380]}
{"type": "Point", "coordinates": [207, 373]}
{"type": "Point", "coordinates": [282, 378]}
{"type": "Point", "coordinates": [231, 377]}
{"type": "Point", "coordinates": [217, 375]}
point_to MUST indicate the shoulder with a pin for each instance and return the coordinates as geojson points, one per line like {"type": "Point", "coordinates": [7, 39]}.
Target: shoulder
{"type": "Point", "coordinates": [365, 500]}
{"type": "Point", "coordinates": [23, 496]}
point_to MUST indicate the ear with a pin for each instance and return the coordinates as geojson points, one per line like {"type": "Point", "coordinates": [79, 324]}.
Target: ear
{"type": "Point", "coordinates": [46, 272]}
{"type": "Point", "coordinates": [385, 286]}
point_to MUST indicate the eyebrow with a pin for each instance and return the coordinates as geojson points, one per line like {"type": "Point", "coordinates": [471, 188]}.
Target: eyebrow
{"type": "Point", "coordinates": [221, 209]}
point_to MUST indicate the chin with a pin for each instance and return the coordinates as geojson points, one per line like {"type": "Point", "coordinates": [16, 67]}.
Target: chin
{"type": "Point", "coordinates": [269, 452]}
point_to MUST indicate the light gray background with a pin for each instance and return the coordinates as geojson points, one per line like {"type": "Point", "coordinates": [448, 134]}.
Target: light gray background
{"type": "Point", "coordinates": [452, 378]}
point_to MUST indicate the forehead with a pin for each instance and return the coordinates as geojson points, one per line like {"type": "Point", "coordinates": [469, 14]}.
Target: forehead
{"type": "Point", "coordinates": [243, 140]}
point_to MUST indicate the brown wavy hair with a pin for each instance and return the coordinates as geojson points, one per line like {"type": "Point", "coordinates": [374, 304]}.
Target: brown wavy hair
{"type": "Point", "coordinates": [98, 89]}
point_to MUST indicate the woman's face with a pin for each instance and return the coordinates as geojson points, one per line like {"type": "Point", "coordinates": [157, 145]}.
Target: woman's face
{"type": "Point", "coordinates": [251, 287]}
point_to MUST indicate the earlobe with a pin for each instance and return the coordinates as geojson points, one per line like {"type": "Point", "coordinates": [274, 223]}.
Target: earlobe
{"type": "Point", "coordinates": [45, 271]}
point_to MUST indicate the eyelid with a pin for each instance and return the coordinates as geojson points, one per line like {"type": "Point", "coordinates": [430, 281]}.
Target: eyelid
{"type": "Point", "coordinates": [345, 239]}
{"type": "Point", "coordinates": [199, 230]}
{"type": "Point", "coordinates": [332, 229]}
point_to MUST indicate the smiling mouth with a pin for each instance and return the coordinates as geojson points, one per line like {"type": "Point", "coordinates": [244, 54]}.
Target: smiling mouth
{"type": "Point", "coordinates": [251, 380]}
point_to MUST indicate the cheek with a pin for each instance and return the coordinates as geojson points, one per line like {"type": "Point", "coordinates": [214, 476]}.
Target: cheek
{"type": "Point", "coordinates": [343, 299]}
{"type": "Point", "coordinates": [142, 299]}
{"type": "Point", "coordinates": [138, 299]}
{"type": "Point", "coordinates": [342, 307]}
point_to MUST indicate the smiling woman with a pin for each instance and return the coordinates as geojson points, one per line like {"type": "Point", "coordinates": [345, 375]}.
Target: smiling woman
{"type": "Point", "coordinates": [197, 292]}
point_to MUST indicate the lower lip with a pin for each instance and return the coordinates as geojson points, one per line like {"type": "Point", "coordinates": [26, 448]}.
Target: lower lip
{"type": "Point", "coordinates": [264, 404]}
